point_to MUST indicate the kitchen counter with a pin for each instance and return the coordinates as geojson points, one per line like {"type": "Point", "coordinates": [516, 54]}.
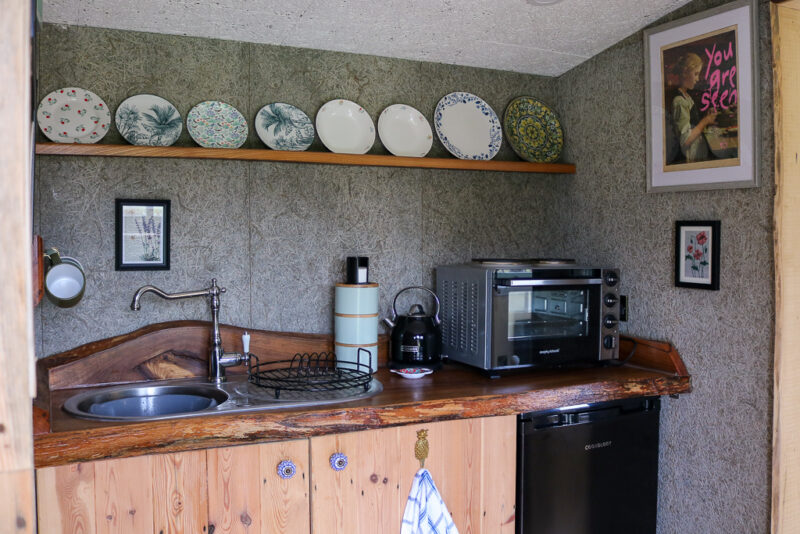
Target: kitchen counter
{"type": "Point", "coordinates": [450, 393]}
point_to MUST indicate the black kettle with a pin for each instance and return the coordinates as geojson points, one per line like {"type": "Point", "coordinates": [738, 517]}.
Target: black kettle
{"type": "Point", "coordinates": [416, 339]}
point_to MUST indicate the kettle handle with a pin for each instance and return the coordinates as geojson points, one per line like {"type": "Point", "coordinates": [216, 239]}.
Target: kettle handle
{"type": "Point", "coordinates": [436, 319]}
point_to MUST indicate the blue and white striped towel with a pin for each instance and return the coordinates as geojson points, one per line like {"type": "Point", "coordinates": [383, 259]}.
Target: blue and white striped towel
{"type": "Point", "coordinates": [426, 512]}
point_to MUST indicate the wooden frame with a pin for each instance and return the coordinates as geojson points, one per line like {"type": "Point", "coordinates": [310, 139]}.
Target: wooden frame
{"type": "Point", "coordinates": [697, 246]}
{"type": "Point", "coordinates": [702, 100]}
{"type": "Point", "coordinates": [142, 231]}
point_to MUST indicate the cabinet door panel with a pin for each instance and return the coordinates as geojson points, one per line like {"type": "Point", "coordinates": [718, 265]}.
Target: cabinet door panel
{"type": "Point", "coordinates": [65, 497]}
{"type": "Point", "coordinates": [472, 461]}
{"type": "Point", "coordinates": [123, 496]}
{"type": "Point", "coordinates": [234, 502]}
{"type": "Point", "coordinates": [180, 493]}
{"type": "Point", "coordinates": [284, 502]}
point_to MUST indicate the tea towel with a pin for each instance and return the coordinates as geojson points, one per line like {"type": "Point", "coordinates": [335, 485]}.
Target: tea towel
{"type": "Point", "coordinates": [426, 512]}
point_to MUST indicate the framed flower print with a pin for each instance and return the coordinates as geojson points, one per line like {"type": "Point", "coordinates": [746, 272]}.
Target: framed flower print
{"type": "Point", "coordinates": [142, 235]}
{"type": "Point", "coordinates": [697, 254]}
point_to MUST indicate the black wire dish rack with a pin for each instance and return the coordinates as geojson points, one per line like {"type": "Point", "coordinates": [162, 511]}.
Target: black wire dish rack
{"type": "Point", "coordinates": [315, 373]}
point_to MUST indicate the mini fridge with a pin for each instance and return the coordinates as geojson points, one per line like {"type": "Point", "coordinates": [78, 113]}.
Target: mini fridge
{"type": "Point", "coordinates": [589, 469]}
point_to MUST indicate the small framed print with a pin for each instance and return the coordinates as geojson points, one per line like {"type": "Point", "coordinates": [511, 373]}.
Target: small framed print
{"type": "Point", "coordinates": [697, 254]}
{"type": "Point", "coordinates": [142, 235]}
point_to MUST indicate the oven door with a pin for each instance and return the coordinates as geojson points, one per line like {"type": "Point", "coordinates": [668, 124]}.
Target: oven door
{"type": "Point", "coordinates": [545, 322]}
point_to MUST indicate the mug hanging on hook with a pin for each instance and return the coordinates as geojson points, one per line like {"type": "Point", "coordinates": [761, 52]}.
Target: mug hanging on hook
{"type": "Point", "coordinates": [64, 280]}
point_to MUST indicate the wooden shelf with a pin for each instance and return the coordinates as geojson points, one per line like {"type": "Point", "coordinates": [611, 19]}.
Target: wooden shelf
{"type": "Point", "coordinates": [253, 154]}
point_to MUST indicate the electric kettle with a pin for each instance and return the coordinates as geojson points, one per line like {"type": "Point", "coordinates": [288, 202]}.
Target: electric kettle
{"type": "Point", "coordinates": [416, 338]}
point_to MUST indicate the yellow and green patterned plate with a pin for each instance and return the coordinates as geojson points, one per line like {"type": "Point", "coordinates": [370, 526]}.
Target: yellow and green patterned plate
{"type": "Point", "coordinates": [533, 130]}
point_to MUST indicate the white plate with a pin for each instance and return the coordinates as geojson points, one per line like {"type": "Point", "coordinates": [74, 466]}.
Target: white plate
{"type": "Point", "coordinates": [467, 126]}
{"type": "Point", "coordinates": [284, 127]}
{"type": "Point", "coordinates": [148, 120]}
{"type": "Point", "coordinates": [413, 373]}
{"type": "Point", "coordinates": [215, 124]}
{"type": "Point", "coordinates": [73, 115]}
{"type": "Point", "coordinates": [405, 131]}
{"type": "Point", "coordinates": [345, 127]}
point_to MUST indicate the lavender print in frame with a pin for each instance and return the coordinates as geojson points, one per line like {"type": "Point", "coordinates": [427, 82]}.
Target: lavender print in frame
{"type": "Point", "coordinates": [142, 235]}
{"type": "Point", "coordinates": [697, 254]}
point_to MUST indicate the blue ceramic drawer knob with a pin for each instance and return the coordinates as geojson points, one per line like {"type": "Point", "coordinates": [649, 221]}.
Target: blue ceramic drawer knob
{"type": "Point", "coordinates": [286, 469]}
{"type": "Point", "coordinates": [338, 461]}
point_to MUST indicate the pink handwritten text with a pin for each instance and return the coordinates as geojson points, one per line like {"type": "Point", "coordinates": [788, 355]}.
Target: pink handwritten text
{"type": "Point", "coordinates": [721, 92]}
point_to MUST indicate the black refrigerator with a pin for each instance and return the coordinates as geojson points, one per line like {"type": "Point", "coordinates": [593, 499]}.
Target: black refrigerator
{"type": "Point", "coordinates": [589, 469]}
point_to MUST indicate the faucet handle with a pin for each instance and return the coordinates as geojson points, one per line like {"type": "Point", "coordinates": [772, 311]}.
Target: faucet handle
{"type": "Point", "coordinates": [215, 289]}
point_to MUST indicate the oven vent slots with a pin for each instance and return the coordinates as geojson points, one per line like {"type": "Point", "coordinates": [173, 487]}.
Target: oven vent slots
{"type": "Point", "coordinates": [473, 317]}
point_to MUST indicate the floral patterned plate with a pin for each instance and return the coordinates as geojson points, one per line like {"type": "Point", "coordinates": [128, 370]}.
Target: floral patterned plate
{"type": "Point", "coordinates": [405, 131]}
{"type": "Point", "coordinates": [467, 126]}
{"type": "Point", "coordinates": [284, 127]}
{"type": "Point", "coordinates": [345, 127]}
{"type": "Point", "coordinates": [148, 120]}
{"type": "Point", "coordinates": [73, 115]}
{"type": "Point", "coordinates": [412, 373]}
{"type": "Point", "coordinates": [533, 130]}
{"type": "Point", "coordinates": [215, 124]}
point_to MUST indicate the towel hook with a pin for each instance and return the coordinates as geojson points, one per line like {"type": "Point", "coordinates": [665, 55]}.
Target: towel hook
{"type": "Point", "coordinates": [421, 447]}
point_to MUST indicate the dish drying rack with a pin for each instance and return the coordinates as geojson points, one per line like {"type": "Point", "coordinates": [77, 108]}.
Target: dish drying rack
{"type": "Point", "coordinates": [316, 372]}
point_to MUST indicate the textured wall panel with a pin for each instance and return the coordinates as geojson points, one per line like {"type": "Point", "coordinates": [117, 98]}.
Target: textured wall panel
{"type": "Point", "coordinates": [715, 442]}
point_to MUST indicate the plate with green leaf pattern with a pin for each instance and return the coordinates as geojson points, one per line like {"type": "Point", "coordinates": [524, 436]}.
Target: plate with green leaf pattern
{"type": "Point", "coordinates": [533, 130]}
{"type": "Point", "coordinates": [148, 120]}
{"type": "Point", "coordinates": [284, 127]}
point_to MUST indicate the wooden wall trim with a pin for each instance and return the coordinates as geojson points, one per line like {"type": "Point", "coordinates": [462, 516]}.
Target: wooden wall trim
{"type": "Point", "coordinates": [16, 321]}
{"type": "Point", "coordinates": [786, 416]}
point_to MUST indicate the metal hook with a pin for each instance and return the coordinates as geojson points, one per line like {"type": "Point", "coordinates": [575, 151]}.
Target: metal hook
{"type": "Point", "coordinates": [421, 447]}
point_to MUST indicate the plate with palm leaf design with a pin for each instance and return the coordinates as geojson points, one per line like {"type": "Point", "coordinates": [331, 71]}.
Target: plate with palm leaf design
{"type": "Point", "coordinates": [284, 127]}
{"type": "Point", "coordinates": [148, 120]}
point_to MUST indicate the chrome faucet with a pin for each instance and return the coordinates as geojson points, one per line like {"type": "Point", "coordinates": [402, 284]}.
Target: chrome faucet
{"type": "Point", "coordinates": [218, 360]}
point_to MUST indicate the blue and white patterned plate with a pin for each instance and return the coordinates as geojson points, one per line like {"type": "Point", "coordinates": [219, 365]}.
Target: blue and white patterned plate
{"type": "Point", "coordinates": [148, 120]}
{"type": "Point", "coordinates": [284, 127]}
{"type": "Point", "coordinates": [215, 124]}
{"type": "Point", "coordinates": [345, 127]}
{"type": "Point", "coordinates": [73, 115]}
{"type": "Point", "coordinates": [467, 126]}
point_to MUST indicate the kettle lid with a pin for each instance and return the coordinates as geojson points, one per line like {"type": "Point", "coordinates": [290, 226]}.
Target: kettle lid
{"type": "Point", "coordinates": [416, 310]}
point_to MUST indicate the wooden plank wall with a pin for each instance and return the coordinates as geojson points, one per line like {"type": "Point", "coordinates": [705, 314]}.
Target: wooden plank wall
{"type": "Point", "coordinates": [16, 345]}
{"type": "Point", "coordinates": [786, 420]}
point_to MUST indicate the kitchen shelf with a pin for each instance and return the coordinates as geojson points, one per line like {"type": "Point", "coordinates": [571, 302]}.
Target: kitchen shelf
{"type": "Point", "coordinates": [255, 154]}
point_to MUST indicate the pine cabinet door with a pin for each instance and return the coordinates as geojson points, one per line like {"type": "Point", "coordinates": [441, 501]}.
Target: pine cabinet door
{"type": "Point", "coordinates": [472, 461]}
{"type": "Point", "coordinates": [233, 489]}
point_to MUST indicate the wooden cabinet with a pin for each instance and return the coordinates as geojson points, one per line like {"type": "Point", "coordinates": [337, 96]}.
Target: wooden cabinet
{"type": "Point", "coordinates": [238, 490]}
{"type": "Point", "coordinates": [235, 489]}
{"type": "Point", "coordinates": [472, 461]}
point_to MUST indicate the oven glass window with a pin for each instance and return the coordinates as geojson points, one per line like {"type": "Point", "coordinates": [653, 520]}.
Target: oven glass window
{"type": "Point", "coordinates": [548, 313]}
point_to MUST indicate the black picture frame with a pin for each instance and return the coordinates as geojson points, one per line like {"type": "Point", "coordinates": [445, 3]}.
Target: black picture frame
{"type": "Point", "coordinates": [697, 252]}
{"type": "Point", "coordinates": [150, 242]}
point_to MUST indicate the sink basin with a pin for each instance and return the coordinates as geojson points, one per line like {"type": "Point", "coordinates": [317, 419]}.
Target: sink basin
{"type": "Point", "coordinates": [192, 398]}
{"type": "Point", "coordinates": [130, 403]}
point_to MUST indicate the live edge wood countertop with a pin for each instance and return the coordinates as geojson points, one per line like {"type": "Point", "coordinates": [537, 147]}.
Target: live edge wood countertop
{"type": "Point", "coordinates": [179, 350]}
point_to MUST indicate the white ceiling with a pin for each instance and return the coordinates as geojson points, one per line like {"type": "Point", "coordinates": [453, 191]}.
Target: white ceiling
{"type": "Point", "coordinates": [514, 35]}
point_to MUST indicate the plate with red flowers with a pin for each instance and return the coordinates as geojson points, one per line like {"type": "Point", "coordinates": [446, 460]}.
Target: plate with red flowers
{"type": "Point", "coordinates": [73, 115]}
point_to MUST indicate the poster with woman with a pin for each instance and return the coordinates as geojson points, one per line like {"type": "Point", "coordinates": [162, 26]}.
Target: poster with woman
{"type": "Point", "coordinates": [700, 101]}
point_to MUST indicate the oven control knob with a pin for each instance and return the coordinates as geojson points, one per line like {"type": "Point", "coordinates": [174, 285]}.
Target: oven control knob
{"type": "Point", "coordinates": [611, 278]}
{"type": "Point", "coordinates": [610, 300]}
{"type": "Point", "coordinates": [610, 342]}
{"type": "Point", "coordinates": [609, 321]}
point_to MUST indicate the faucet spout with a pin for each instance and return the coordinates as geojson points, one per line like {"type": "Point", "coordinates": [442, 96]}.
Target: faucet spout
{"type": "Point", "coordinates": [218, 359]}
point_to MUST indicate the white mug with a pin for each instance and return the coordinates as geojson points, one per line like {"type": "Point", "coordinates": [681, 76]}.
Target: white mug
{"type": "Point", "coordinates": [65, 281]}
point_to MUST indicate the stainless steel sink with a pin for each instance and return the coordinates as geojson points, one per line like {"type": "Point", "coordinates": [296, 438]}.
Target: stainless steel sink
{"type": "Point", "coordinates": [192, 398]}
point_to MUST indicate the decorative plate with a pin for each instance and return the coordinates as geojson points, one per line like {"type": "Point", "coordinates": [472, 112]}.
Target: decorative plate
{"type": "Point", "coordinates": [467, 126]}
{"type": "Point", "coordinates": [405, 131]}
{"type": "Point", "coordinates": [284, 127]}
{"type": "Point", "coordinates": [345, 127]}
{"type": "Point", "coordinates": [148, 120]}
{"type": "Point", "coordinates": [533, 130]}
{"type": "Point", "coordinates": [412, 373]}
{"type": "Point", "coordinates": [215, 124]}
{"type": "Point", "coordinates": [73, 115]}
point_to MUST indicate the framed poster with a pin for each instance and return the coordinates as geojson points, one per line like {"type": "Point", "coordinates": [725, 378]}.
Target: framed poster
{"type": "Point", "coordinates": [697, 254]}
{"type": "Point", "coordinates": [702, 101]}
{"type": "Point", "coordinates": [142, 235]}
